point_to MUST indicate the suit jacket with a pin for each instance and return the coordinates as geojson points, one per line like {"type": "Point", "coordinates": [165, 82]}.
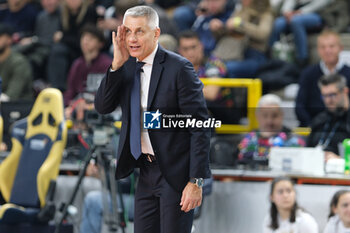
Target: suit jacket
{"type": "Point", "coordinates": [174, 89]}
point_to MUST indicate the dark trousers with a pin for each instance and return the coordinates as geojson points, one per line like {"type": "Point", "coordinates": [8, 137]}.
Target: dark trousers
{"type": "Point", "coordinates": [157, 204]}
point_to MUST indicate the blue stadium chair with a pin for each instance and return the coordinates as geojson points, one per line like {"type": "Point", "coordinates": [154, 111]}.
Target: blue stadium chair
{"type": "Point", "coordinates": [28, 174]}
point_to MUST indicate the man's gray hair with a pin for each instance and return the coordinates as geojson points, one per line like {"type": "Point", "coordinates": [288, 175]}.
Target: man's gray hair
{"type": "Point", "coordinates": [269, 99]}
{"type": "Point", "coordinates": [335, 78]}
{"type": "Point", "coordinates": [144, 11]}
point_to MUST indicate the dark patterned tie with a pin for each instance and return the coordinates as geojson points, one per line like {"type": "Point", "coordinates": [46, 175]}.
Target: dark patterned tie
{"type": "Point", "coordinates": [135, 123]}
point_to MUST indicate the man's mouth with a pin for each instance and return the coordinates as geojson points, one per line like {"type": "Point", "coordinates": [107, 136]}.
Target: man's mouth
{"type": "Point", "coordinates": [135, 47]}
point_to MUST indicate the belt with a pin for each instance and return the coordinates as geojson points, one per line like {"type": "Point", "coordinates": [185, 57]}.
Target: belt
{"type": "Point", "coordinates": [149, 157]}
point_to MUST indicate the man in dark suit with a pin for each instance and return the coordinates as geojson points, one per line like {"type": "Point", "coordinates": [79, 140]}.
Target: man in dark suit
{"type": "Point", "coordinates": [173, 161]}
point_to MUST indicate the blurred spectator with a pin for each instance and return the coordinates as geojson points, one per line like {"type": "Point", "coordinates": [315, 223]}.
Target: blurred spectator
{"type": "Point", "coordinates": [255, 146]}
{"type": "Point", "coordinates": [165, 4]}
{"type": "Point", "coordinates": [15, 70]}
{"type": "Point", "coordinates": [309, 102]}
{"type": "Point", "coordinates": [94, 202]}
{"type": "Point", "coordinates": [336, 15]}
{"type": "Point", "coordinates": [219, 100]}
{"type": "Point", "coordinates": [332, 126]}
{"type": "Point", "coordinates": [211, 18]}
{"type": "Point", "coordinates": [285, 214]}
{"type": "Point", "coordinates": [184, 16]}
{"type": "Point", "coordinates": [74, 15]}
{"type": "Point", "coordinates": [21, 16]}
{"type": "Point", "coordinates": [168, 42]}
{"type": "Point", "coordinates": [37, 47]}
{"type": "Point", "coordinates": [338, 218]}
{"type": "Point", "coordinates": [298, 16]}
{"type": "Point", "coordinates": [92, 65]}
{"type": "Point", "coordinates": [250, 26]}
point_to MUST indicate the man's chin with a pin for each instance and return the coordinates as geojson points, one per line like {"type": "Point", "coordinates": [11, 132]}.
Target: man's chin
{"type": "Point", "coordinates": [134, 53]}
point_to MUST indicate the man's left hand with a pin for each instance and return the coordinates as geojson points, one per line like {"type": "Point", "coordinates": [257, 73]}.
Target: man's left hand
{"type": "Point", "coordinates": [191, 197]}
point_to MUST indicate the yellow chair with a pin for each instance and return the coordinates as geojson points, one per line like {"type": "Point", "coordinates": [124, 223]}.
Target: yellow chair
{"type": "Point", "coordinates": [28, 174]}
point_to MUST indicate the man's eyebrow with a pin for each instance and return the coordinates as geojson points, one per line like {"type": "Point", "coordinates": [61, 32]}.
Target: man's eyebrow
{"type": "Point", "coordinates": [138, 28]}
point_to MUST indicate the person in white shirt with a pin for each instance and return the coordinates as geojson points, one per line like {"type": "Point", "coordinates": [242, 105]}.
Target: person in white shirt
{"type": "Point", "coordinates": [285, 214]}
{"type": "Point", "coordinates": [339, 216]}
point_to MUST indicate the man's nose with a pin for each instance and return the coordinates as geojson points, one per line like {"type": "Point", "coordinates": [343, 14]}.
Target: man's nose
{"type": "Point", "coordinates": [133, 37]}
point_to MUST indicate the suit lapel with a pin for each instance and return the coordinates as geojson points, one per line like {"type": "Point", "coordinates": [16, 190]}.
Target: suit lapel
{"type": "Point", "coordinates": [156, 75]}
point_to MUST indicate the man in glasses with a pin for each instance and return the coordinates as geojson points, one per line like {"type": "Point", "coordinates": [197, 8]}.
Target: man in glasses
{"type": "Point", "coordinates": [332, 126]}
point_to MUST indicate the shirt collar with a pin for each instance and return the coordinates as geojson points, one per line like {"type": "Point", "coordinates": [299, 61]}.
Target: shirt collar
{"type": "Point", "coordinates": [150, 58]}
{"type": "Point", "coordinates": [326, 71]}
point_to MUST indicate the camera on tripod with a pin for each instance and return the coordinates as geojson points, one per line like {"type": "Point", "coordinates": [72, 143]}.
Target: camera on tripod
{"type": "Point", "coordinates": [101, 127]}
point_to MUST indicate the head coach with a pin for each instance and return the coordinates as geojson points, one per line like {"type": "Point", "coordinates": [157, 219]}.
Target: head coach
{"type": "Point", "coordinates": [173, 162]}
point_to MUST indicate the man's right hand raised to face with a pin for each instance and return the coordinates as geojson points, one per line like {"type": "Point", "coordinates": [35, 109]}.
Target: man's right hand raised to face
{"type": "Point", "coordinates": [120, 52]}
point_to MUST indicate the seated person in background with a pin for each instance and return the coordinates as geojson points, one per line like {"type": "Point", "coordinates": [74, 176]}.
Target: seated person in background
{"type": "Point", "coordinates": [309, 102]}
{"type": "Point", "coordinates": [93, 209]}
{"type": "Point", "coordinates": [251, 25]}
{"type": "Point", "coordinates": [15, 70]}
{"type": "Point", "coordinates": [219, 100]}
{"type": "Point", "coordinates": [21, 16]}
{"type": "Point", "coordinates": [255, 146]}
{"type": "Point", "coordinates": [338, 218]}
{"type": "Point", "coordinates": [299, 17]}
{"type": "Point", "coordinates": [285, 214]}
{"type": "Point", "coordinates": [37, 47]}
{"type": "Point", "coordinates": [331, 127]}
{"type": "Point", "coordinates": [211, 19]}
{"type": "Point", "coordinates": [75, 14]}
{"type": "Point", "coordinates": [93, 62]}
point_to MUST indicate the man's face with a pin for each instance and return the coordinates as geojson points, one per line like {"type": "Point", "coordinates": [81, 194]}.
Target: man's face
{"type": "Point", "coordinates": [89, 43]}
{"type": "Point", "coordinates": [333, 98]}
{"type": "Point", "coordinates": [192, 49]}
{"type": "Point", "coordinates": [328, 48]}
{"type": "Point", "coordinates": [50, 5]}
{"type": "Point", "coordinates": [5, 42]}
{"type": "Point", "coordinates": [270, 118]}
{"type": "Point", "coordinates": [140, 39]}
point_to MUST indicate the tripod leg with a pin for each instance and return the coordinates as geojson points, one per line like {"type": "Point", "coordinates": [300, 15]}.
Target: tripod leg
{"type": "Point", "coordinates": [114, 191]}
{"type": "Point", "coordinates": [76, 188]}
{"type": "Point", "coordinates": [106, 195]}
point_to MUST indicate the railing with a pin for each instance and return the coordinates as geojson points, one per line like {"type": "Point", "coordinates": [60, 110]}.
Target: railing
{"type": "Point", "coordinates": [254, 90]}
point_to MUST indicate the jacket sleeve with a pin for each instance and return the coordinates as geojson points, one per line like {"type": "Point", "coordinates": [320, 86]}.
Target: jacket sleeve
{"type": "Point", "coordinates": [300, 103]}
{"type": "Point", "coordinates": [191, 102]}
{"type": "Point", "coordinates": [110, 91]}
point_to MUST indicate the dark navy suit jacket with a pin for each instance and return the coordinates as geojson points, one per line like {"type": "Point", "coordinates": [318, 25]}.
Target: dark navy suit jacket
{"type": "Point", "coordinates": [174, 89]}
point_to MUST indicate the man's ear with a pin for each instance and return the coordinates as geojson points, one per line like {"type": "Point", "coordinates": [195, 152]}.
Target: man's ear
{"type": "Point", "coordinates": [157, 33]}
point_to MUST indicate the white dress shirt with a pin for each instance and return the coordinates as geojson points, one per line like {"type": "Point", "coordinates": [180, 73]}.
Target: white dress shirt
{"type": "Point", "coordinates": [146, 146]}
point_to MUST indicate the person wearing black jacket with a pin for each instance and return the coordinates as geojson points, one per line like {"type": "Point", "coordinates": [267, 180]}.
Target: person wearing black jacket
{"type": "Point", "coordinates": [331, 126]}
